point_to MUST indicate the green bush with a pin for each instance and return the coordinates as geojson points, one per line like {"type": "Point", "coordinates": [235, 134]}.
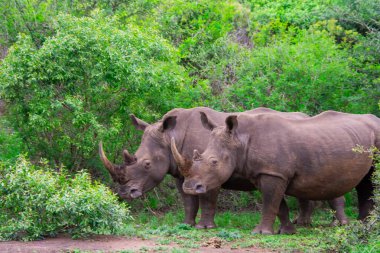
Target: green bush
{"type": "Point", "coordinates": [11, 145]}
{"type": "Point", "coordinates": [204, 32]}
{"type": "Point", "coordinates": [299, 13]}
{"type": "Point", "coordinates": [36, 17]}
{"type": "Point", "coordinates": [36, 202]}
{"type": "Point", "coordinates": [307, 72]}
{"type": "Point", "coordinates": [81, 84]}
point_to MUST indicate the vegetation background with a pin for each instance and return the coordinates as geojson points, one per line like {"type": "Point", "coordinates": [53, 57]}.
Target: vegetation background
{"type": "Point", "coordinates": [72, 71]}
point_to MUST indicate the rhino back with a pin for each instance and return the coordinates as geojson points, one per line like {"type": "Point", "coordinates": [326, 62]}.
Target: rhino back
{"type": "Point", "coordinates": [190, 134]}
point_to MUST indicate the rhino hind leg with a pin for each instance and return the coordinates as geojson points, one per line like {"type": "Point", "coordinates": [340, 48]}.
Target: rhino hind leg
{"type": "Point", "coordinates": [190, 202]}
{"type": "Point", "coordinates": [337, 205]}
{"type": "Point", "coordinates": [273, 190]}
{"type": "Point", "coordinates": [365, 193]}
{"type": "Point", "coordinates": [287, 226]}
{"type": "Point", "coordinates": [306, 208]}
{"type": "Point", "coordinates": [208, 207]}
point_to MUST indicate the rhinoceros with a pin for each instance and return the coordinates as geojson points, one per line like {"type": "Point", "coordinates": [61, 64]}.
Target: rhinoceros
{"type": "Point", "coordinates": [310, 158]}
{"type": "Point", "coordinates": [153, 160]}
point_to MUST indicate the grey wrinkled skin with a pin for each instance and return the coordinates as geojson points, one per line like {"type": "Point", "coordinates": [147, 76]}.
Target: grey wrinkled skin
{"type": "Point", "coordinates": [311, 159]}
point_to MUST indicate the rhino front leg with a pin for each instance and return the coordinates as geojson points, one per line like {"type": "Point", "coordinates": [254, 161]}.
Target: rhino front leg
{"type": "Point", "coordinates": [208, 208]}
{"type": "Point", "coordinates": [190, 202]}
{"type": "Point", "coordinates": [273, 190]}
{"type": "Point", "coordinates": [337, 204]}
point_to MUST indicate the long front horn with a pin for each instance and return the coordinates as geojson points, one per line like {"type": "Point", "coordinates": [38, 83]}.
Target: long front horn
{"type": "Point", "coordinates": [183, 165]}
{"type": "Point", "coordinates": [106, 162]}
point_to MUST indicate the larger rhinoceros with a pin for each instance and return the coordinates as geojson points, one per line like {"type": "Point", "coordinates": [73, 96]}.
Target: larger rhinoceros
{"type": "Point", "coordinates": [153, 160]}
{"type": "Point", "coordinates": [311, 158]}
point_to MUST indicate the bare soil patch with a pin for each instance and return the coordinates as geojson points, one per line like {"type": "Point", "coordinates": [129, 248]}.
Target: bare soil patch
{"type": "Point", "coordinates": [108, 244]}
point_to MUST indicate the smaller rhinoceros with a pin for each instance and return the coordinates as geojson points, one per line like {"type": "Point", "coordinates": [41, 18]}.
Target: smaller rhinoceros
{"type": "Point", "coordinates": [309, 158]}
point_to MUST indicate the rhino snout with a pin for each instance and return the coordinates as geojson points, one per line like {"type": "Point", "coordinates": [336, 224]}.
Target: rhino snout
{"type": "Point", "coordinates": [135, 193]}
{"type": "Point", "coordinates": [200, 188]}
{"type": "Point", "coordinates": [193, 186]}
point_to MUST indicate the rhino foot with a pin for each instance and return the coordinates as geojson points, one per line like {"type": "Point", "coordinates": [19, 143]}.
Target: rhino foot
{"type": "Point", "coordinates": [287, 230]}
{"type": "Point", "coordinates": [302, 222]}
{"type": "Point", "coordinates": [191, 223]}
{"type": "Point", "coordinates": [202, 225]}
{"type": "Point", "coordinates": [262, 230]}
{"type": "Point", "coordinates": [336, 223]}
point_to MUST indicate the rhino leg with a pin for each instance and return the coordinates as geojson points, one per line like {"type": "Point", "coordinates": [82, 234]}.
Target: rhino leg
{"type": "Point", "coordinates": [208, 207]}
{"type": "Point", "coordinates": [337, 205]}
{"type": "Point", "coordinates": [273, 190]}
{"type": "Point", "coordinates": [306, 208]}
{"type": "Point", "coordinates": [287, 226]}
{"type": "Point", "coordinates": [365, 193]}
{"type": "Point", "coordinates": [191, 204]}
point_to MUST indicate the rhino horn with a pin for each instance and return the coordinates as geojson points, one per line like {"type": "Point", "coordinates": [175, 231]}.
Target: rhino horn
{"type": "Point", "coordinates": [110, 166]}
{"type": "Point", "coordinates": [183, 165]}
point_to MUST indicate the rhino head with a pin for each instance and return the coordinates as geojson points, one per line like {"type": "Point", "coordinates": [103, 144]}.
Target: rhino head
{"type": "Point", "coordinates": [216, 164]}
{"type": "Point", "coordinates": [148, 166]}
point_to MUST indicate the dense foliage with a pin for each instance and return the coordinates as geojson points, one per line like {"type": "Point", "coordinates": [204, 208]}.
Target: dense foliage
{"type": "Point", "coordinates": [81, 84]}
{"type": "Point", "coordinates": [36, 202]}
{"type": "Point", "coordinates": [70, 80]}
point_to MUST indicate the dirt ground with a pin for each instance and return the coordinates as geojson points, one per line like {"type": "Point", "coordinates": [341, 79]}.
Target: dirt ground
{"type": "Point", "coordinates": [111, 244]}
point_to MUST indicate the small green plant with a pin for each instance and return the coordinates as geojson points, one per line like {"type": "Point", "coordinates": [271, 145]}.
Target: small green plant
{"type": "Point", "coordinates": [36, 202]}
{"type": "Point", "coordinates": [229, 235]}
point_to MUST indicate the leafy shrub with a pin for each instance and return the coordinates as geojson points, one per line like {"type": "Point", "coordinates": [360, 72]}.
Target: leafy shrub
{"type": "Point", "coordinates": [361, 15]}
{"type": "Point", "coordinates": [36, 202]}
{"type": "Point", "coordinates": [192, 24]}
{"type": "Point", "coordinates": [11, 144]}
{"type": "Point", "coordinates": [307, 72]}
{"type": "Point", "coordinates": [35, 17]}
{"type": "Point", "coordinates": [299, 13]}
{"type": "Point", "coordinates": [204, 31]}
{"type": "Point", "coordinates": [80, 86]}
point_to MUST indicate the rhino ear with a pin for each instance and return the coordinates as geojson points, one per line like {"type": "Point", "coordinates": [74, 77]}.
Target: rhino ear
{"type": "Point", "coordinates": [231, 123]}
{"type": "Point", "coordinates": [206, 122]}
{"type": "Point", "coordinates": [196, 155]}
{"type": "Point", "coordinates": [138, 123]}
{"type": "Point", "coordinates": [168, 123]}
{"type": "Point", "coordinates": [129, 159]}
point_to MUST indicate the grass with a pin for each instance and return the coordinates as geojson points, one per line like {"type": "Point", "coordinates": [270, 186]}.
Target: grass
{"type": "Point", "coordinates": [234, 229]}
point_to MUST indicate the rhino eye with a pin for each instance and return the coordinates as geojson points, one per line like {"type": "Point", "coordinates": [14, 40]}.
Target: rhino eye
{"type": "Point", "coordinates": [147, 164]}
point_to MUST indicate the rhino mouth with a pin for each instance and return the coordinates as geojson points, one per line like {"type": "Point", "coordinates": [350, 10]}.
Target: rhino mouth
{"type": "Point", "coordinates": [135, 192]}
{"type": "Point", "coordinates": [129, 193]}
